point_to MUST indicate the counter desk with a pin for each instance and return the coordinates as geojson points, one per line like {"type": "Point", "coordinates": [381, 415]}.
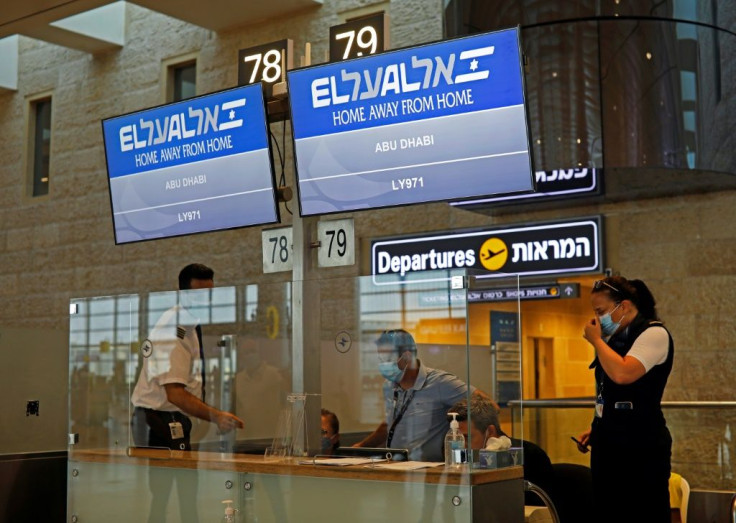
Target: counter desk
{"type": "Point", "coordinates": [119, 485]}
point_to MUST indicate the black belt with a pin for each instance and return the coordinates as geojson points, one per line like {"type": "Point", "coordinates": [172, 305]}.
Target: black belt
{"type": "Point", "coordinates": [162, 412]}
{"type": "Point", "coordinates": [159, 434]}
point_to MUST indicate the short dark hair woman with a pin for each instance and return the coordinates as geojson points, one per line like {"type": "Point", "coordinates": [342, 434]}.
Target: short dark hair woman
{"type": "Point", "coordinates": [631, 445]}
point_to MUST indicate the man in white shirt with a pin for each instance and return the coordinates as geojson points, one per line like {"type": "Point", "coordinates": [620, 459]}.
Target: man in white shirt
{"type": "Point", "coordinates": [170, 385]}
{"type": "Point", "coordinates": [170, 389]}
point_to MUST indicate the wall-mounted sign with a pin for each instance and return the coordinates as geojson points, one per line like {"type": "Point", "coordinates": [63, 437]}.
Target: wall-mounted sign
{"type": "Point", "coordinates": [560, 183]}
{"type": "Point", "coordinates": [361, 37]}
{"type": "Point", "coordinates": [265, 63]}
{"type": "Point", "coordinates": [277, 249]}
{"type": "Point", "coordinates": [438, 122]}
{"type": "Point", "coordinates": [504, 326]}
{"type": "Point", "coordinates": [522, 293]}
{"type": "Point", "coordinates": [199, 165]}
{"type": "Point", "coordinates": [527, 250]}
{"type": "Point", "coordinates": [506, 355]}
{"type": "Point", "coordinates": [337, 243]}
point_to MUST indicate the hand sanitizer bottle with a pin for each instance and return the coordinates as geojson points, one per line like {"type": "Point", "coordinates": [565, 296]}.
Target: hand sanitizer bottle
{"type": "Point", "coordinates": [454, 440]}
{"type": "Point", "coordinates": [230, 512]}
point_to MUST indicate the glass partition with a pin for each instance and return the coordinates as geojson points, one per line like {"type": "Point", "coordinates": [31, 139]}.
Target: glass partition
{"type": "Point", "coordinates": [369, 351]}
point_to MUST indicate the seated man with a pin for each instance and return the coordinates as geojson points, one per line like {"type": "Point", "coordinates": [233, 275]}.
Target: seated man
{"type": "Point", "coordinates": [484, 415]}
{"type": "Point", "coordinates": [416, 399]}
{"type": "Point", "coordinates": [330, 432]}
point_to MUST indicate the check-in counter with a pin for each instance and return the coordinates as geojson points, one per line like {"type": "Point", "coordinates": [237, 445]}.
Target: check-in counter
{"type": "Point", "coordinates": [292, 489]}
{"type": "Point", "coordinates": [277, 377]}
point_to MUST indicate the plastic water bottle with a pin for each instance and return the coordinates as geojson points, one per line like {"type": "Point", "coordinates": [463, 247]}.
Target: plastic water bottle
{"type": "Point", "coordinates": [454, 440]}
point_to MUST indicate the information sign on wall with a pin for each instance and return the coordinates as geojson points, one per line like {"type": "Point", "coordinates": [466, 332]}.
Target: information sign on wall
{"type": "Point", "coordinates": [265, 63]}
{"type": "Point", "coordinates": [527, 250]}
{"type": "Point", "coordinates": [555, 184]}
{"type": "Point", "coordinates": [277, 249]}
{"type": "Point", "coordinates": [362, 37]}
{"type": "Point", "coordinates": [337, 243]}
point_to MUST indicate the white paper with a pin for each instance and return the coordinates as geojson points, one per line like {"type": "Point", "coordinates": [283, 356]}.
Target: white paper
{"type": "Point", "coordinates": [339, 462]}
{"type": "Point", "coordinates": [409, 465]}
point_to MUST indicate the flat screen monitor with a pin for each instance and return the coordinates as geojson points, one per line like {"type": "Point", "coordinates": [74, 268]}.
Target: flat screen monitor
{"type": "Point", "coordinates": [199, 165]}
{"type": "Point", "coordinates": [436, 122]}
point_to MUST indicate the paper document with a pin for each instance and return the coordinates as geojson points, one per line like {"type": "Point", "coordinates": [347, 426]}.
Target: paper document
{"type": "Point", "coordinates": [409, 465]}
{"type": "Point", "coordinates": [339, 462]}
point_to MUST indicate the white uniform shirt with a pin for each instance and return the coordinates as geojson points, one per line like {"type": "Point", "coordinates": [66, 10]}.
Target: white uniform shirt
{"type": "Point", "coordinates": [651, 347]}
{"type": "Point", "coordinates": [174, 358]}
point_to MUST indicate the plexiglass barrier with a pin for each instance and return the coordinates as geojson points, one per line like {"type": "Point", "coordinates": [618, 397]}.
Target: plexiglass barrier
{"type": "Point", "coordinates": [344, 388]}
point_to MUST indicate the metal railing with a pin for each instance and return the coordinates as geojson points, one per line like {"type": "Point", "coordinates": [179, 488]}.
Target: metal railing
{"type": "Point", "coordinates": [586, 403]}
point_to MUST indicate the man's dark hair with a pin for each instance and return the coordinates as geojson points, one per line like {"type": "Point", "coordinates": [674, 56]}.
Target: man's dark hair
{"type": "Point", "coordinates": [332, 420]}
{"type": "Point", "coordinates": [483, 413]}
{"type": "Point", "coordinates": [194, 271]}
{"type": "Point", "coordinates": [401, 341]}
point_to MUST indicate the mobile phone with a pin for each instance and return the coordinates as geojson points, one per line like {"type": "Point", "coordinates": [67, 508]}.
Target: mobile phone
{"type": "Point", "coordinates": [582, 448]}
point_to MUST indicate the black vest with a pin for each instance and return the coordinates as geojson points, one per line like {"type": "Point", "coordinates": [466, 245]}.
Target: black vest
{"type": "Point", "coordinates": [645, 394]}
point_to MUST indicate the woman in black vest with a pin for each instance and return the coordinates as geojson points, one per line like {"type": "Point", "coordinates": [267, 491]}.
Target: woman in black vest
{"type": "Point", "coordinates": [631, 445]}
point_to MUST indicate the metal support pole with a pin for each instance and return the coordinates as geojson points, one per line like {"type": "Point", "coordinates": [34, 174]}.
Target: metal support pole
{"type": "Point", "coordinates": [306, 357]}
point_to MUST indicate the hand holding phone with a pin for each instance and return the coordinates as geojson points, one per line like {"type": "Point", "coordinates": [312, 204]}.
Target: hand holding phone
{"type": "Point", "coordinates": [582, 448]}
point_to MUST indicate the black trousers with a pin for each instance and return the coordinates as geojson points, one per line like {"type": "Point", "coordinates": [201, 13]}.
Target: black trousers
{"type": "Point", "coordinates": [631, 470]}
{"type": "Point", "coordinates": [151, 429]}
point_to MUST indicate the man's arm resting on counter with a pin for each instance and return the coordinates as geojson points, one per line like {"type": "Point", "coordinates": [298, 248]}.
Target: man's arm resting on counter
{"type": "Point", "coordinates": [376, 439]}
{"type": "Point", "coordinates": [177, 394]}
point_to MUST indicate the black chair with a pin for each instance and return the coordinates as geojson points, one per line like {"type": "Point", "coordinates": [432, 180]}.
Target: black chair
{"type": "Point", "coordinates": [573, 492]}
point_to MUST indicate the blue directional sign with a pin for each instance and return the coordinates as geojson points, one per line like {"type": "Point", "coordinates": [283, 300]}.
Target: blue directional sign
{"type": "Point", "coordinates": [430, 123]}
{"type": "Point", "coordinates": [203, 164]}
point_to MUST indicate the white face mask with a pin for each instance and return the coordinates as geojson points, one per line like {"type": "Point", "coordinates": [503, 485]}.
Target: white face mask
{"type": "Point", "coordinates": [196, 302]}
{"type": "Point", "coordinates": [608, 326]}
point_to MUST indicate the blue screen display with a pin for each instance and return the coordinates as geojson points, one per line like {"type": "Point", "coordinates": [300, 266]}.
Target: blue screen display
{"type": "Point", "coordinates": [432, 123]}
{"type": "Point", "coordinates": [203, 164]}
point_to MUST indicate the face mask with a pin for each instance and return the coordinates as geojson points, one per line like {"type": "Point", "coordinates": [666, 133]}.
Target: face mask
{"type": "Point", "coordinates": [391, 371]}
{"type": "Point", "coordinates": [326, 444]}
{"type": "Point", "coordinates": [608, 326]}
{"type": "Point", "coordinates": [195, 301]}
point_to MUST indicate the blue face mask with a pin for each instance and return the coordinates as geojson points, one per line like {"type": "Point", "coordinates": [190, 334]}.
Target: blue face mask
{"type": "Point", "coordinates": [608, 326]}
{"type": "Point", "coordinates": [391, 371]}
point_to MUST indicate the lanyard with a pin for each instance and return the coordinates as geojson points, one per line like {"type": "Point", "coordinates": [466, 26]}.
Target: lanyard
{"type": "Point", "coordinates": [397, 417]}
{"type": "Point", "coordinates": [198, 329]}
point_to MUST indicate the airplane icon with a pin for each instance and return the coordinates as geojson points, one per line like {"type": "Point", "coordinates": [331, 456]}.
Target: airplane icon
{"type": "Point", "coordinates": [490, 254]}
{"type": "Point", "coordinates": [343, 341]}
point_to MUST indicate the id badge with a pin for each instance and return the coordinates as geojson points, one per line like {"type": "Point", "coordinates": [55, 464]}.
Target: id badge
{"type": "Point", "coordinates": [599, 407]}
{"type": "Point", "coordinates": [177, 431]}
